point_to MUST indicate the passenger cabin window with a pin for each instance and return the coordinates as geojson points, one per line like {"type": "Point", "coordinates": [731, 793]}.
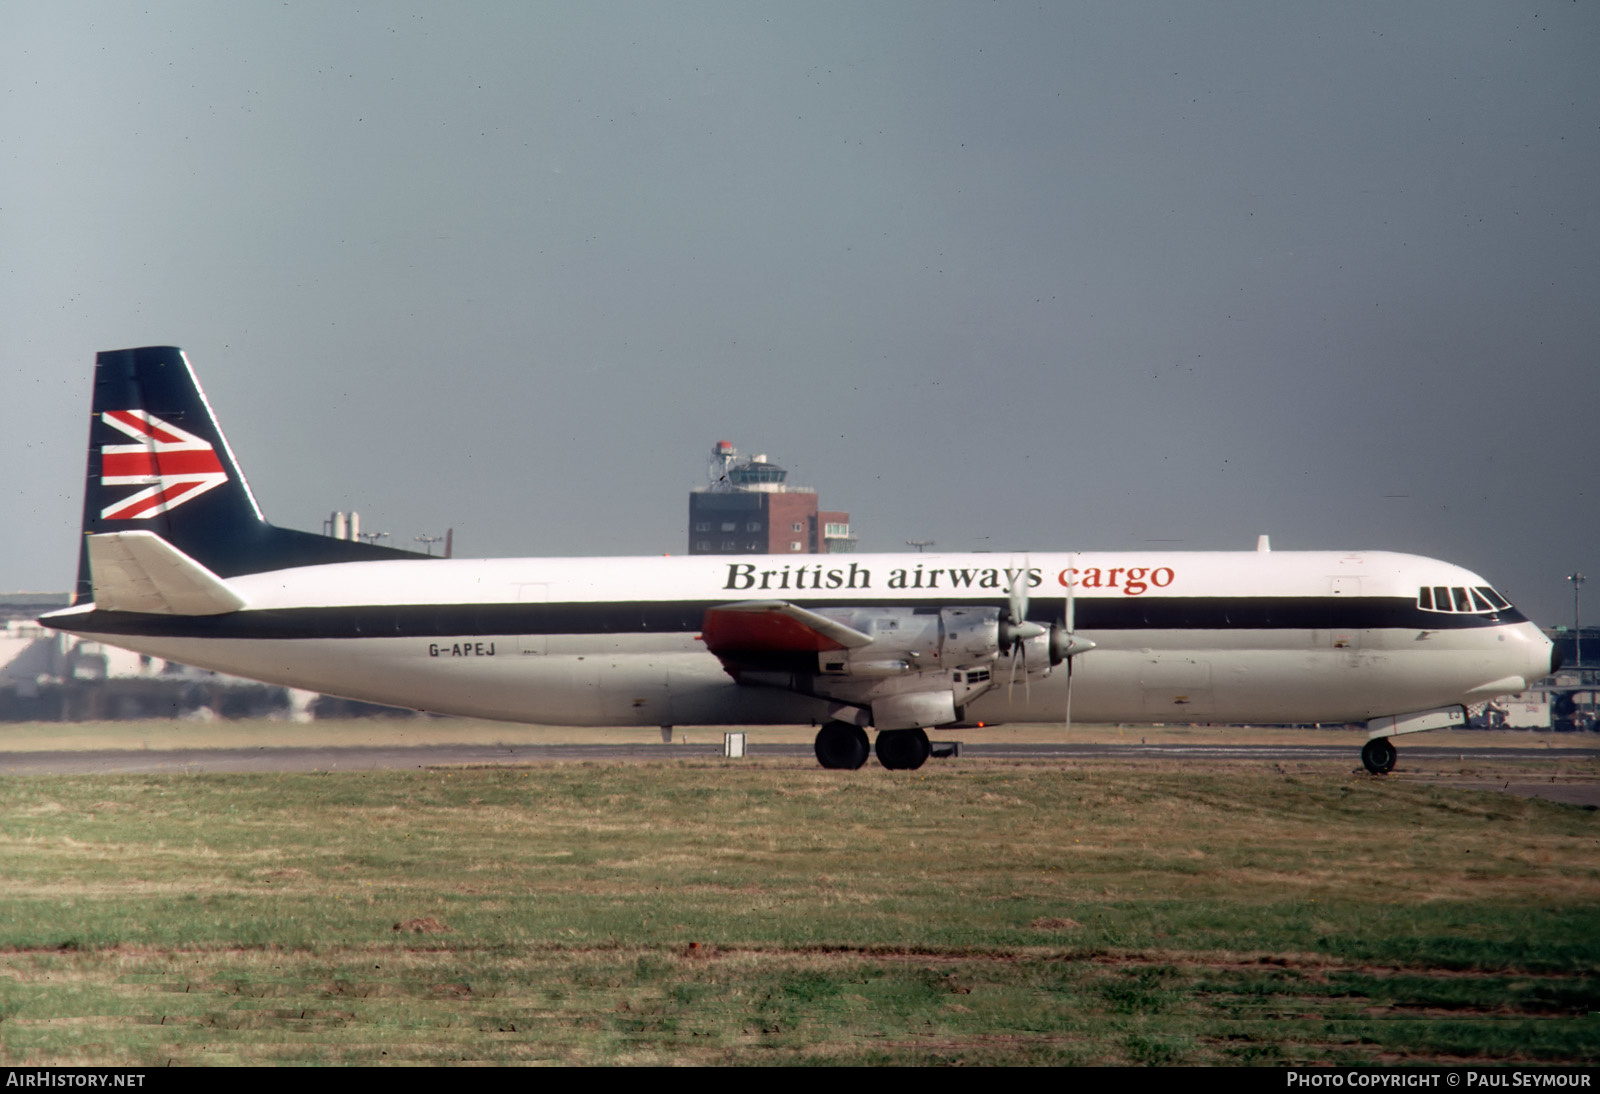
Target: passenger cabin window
{"type": "Point", "coordinates": [1479, 600]}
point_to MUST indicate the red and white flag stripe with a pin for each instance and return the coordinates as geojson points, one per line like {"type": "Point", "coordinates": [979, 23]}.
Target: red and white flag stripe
{"type": "Point", "coordinates": [176, 465]}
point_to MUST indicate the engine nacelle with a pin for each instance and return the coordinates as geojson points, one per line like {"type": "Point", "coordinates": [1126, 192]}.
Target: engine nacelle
{"type": "Point", "coordinates": [1036, 655]}
{"type": "Point", "coordinates": [914, 709]}
{"type": "Point", "coordinates": [913, 640]}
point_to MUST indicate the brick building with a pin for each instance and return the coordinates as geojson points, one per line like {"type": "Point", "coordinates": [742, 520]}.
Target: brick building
{"type": "Point", "coordinates": [749, 508]}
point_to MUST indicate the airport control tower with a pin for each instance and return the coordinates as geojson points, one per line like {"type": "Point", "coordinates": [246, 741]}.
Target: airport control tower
{"type": "Point", "coordinates": [748, 507]}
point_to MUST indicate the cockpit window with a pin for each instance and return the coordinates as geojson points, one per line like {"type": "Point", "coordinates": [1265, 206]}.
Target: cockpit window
{"type": "Point", "coordinates": [1479, 600]}
{"type": "Point", "coordinates": [1500, 603]}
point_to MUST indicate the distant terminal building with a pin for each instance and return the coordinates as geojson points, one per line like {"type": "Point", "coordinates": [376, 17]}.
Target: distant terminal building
{"type": "Point", "coordinates": [748, 508]}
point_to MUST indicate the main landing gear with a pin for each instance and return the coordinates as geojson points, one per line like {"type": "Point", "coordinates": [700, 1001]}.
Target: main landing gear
{"type": "Point", "coordinates": [903, 749]}
{"type": "Point", "coordinates": [842, 746]}
{"type": "Point", "coordinates": [1378, 755]}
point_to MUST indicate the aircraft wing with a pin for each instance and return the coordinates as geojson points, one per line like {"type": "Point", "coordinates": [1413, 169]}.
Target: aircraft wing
{"type": "Point", "coordinates": [913, 669]}
{"type": "Point", "coordinates": [141, 572]}
{"type": "Point", "coordinates": [755, 627]}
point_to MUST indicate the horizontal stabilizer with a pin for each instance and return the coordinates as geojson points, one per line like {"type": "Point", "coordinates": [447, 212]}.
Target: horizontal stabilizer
{"type": "Point", "coordinates": [775, 626]}
{"type": "Point", "coordinates": [141, 572]}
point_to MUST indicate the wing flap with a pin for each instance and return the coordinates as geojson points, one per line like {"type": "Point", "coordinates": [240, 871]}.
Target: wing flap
{"type": "Point", "coordinates": [141, 572]}
{"type": "Point", "coordinates": [775, 626]}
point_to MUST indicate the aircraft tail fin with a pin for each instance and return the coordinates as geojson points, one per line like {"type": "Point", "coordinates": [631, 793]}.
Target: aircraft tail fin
{"type": "Point", "coordinates": [158, 463]}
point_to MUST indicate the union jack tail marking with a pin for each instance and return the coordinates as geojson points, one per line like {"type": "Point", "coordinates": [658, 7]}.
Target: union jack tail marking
{"type": "Point", "coordinates": [176, 466]}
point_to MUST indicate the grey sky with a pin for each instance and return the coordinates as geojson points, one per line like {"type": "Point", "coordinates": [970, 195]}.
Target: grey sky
{"type": "Point", "coordinates": [1003, 276]}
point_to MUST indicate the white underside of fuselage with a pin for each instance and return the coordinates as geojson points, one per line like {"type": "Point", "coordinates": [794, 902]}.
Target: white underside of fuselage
{"type": "Point", "coordinates": [669, 679]}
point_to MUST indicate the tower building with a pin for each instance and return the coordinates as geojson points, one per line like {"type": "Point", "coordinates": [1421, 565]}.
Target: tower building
{"type": "Point", "coordinates": [748, 507]}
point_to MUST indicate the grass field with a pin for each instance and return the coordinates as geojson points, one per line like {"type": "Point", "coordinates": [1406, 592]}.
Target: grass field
{"type": "Point", "coordinates": [766, 912]}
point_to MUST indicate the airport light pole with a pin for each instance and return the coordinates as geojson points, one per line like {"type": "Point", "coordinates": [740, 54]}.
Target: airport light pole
{"type": "Point", "coordinates": [1577, 580]}
{"type": "Point", "coordinates": [429, 540]}
{"type": "Point", "coordinates": [919, 544]}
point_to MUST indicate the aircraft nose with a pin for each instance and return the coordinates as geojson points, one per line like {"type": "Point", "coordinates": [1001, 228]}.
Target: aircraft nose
{"type": "Point", "coordinates": [1540, 656]}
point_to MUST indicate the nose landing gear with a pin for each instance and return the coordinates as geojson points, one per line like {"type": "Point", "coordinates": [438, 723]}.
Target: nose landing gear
{"type": "Point", "coordinates": [1378, 755]}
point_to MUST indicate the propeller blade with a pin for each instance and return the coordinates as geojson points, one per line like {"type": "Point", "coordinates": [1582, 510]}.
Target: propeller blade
{"type": "Point", "coordinates": [1067, 644]}
{"type": "Point", "coordinates": [1017, 598]}
{"type": "Point", "coordinates": [1069, 695]}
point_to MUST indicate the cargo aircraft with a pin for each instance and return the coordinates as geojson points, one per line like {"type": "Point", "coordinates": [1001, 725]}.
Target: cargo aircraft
{"type": "Point", "coordinates": [178, 562]}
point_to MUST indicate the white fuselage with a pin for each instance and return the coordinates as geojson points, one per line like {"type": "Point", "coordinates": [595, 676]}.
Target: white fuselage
{"type": "Point", "coordinates": [1179, 636]}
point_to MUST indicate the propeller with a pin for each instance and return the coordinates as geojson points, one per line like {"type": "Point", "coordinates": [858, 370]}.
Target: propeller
{"type": "Point", "coordinates": [1065, 644]}
{"type": "Point", "coordinates": [1015, 630]}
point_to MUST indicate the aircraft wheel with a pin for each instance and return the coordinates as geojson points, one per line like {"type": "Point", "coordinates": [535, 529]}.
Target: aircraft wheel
{"type": "Point", "coordinates": [903, 749]}
{"type": "Point", "coordinates": [1378, 755]}
{"type": "Point", "coordinates": [842, 746]}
